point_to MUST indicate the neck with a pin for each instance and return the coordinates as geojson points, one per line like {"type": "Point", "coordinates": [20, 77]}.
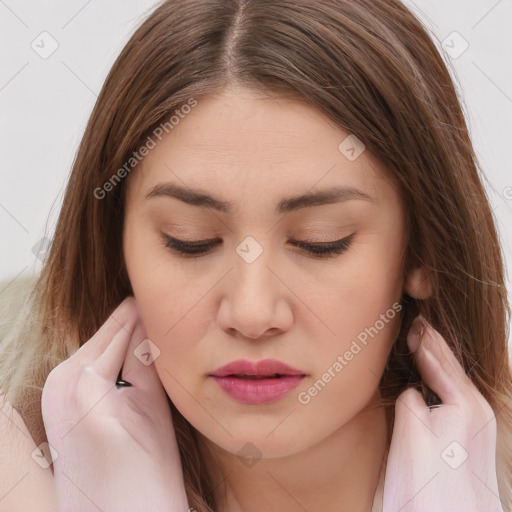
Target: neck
{"type": "Point", "coordinates": [341, 472]}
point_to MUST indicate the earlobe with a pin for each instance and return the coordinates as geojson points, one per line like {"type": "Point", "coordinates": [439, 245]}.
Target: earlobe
{"type": "Point", "coordinates": [418, 283]}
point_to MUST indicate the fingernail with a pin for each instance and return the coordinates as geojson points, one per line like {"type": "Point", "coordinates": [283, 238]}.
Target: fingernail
{"type": "Point", "coordinates": [123, 383]}
{"type": "Point", "coordinates": [416, 332]}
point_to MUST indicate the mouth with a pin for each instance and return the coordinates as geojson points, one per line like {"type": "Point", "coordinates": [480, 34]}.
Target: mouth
{"type": "Point", "coordinates": [255, 377]}
{"type": "Point", "coordinates": [257, 383]}
{"type": "Point", "coordinates": [257, 389]}
{"type": "Point", "coordinates": [263, 369]}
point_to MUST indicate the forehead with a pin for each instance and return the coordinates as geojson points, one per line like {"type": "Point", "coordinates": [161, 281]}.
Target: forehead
{"type": "Point", "coordinates": [241, 145]}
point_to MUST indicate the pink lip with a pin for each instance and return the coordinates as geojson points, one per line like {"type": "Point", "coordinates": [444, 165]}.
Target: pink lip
{"type": "Point", "coordinates": [257, 391]}
{"type": "Point", "coordinates": [265, 367]}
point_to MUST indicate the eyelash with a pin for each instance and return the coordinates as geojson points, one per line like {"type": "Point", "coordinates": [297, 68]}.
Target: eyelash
{"type": "Point", "coordinates": [198, 248]}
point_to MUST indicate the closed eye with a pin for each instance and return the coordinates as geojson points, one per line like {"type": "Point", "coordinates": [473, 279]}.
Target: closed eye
{"type": "Point", "coordinates": [198, 248]}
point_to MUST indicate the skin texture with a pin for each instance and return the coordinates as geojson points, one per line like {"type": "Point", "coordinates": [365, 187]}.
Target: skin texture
{"type": "Point", "coordinates": [204, 312]}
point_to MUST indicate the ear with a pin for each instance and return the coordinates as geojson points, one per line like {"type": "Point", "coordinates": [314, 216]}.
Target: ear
{"type": "Point", "coordinates": [418, 283]}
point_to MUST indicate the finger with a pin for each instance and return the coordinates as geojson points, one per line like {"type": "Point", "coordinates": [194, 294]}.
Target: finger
{"type": "Point", "coordinates": [411, 412]}
{"type": "Point", "coordinates": [123, 318]}
{"type": "Point", "coordinates": [433, 341]}
{"type": "Point", "coordinates": [436, 378]}
{"type": "Point", "coordinates": [138, 366]}
{"type": "Point", "coordinates": [110, 362]}
{"type": "Point", "coordinates": [109, 345]}
{"type": "Point", "coordinates": [437, 371]}
{"type": "Point", "coordinates": [439, 347]}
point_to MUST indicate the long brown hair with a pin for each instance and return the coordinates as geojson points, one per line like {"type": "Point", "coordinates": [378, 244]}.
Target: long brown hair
{"type": "Point", "coordinates": [373, 69]}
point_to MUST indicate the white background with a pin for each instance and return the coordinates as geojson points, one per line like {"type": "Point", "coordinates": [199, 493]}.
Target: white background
{"type": "Point", "coordinates": [45, 103]}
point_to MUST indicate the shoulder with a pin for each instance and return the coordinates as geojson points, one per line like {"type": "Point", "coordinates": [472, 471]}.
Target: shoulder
{"type": "Point", "coordinates": [26, 481]}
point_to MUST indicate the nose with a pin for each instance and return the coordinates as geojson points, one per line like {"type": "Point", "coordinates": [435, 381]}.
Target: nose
{"type": "Point", "coordinates": [256, 303]}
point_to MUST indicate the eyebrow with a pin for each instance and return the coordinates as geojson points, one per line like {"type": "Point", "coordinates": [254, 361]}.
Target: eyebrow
{"type": "Point", "coordinates": [202, 199]}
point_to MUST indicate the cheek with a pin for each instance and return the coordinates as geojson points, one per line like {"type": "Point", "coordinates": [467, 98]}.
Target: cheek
{"type": "Point", "coordinates": [349, 366]}
{"type": "Point", "coordinates": [158, 281]}
{"type": "Point", "coordinates": [360, 305]}
{"type": "Point", "coordinates": [172, 312]}
{"type": "Point", "coordinates": [172, 315]}
{"type": "Point", "coordinates": [166, 298]}
{"type": "Point", "coordinates": [365, 286]}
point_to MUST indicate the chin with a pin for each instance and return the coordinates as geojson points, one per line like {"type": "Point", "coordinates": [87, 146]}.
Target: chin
{"type": "Point", "coordinates": [260, 446]}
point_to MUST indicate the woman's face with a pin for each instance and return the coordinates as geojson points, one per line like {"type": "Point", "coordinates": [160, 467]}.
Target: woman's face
{"type": "Point", "coordinates": [255, 294]}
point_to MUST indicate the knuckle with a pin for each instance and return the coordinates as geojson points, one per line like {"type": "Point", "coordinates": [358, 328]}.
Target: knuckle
{"type": "Point", "coordinates": [465, 384]}
{"type": "Point", "coordinates": [478, 408]}
{"type": "Point", "coordinates": [408, 394]}
{"type": "Point", "coordinates": [408, 399]}
{"type": "Point", "coordinates": [126, 310]}
{"type": "Point", "coordinates": [56, 375]}
{"type": "Point", "coordinates": [484, 408]}
{"type": "Point", "coordinates": [88, 374]}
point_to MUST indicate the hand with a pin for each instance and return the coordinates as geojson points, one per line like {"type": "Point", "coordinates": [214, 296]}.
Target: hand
{"type": "Point", "coordinates": [116, 448]}
{"type": "Point", "coordinates": [441, 459]}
